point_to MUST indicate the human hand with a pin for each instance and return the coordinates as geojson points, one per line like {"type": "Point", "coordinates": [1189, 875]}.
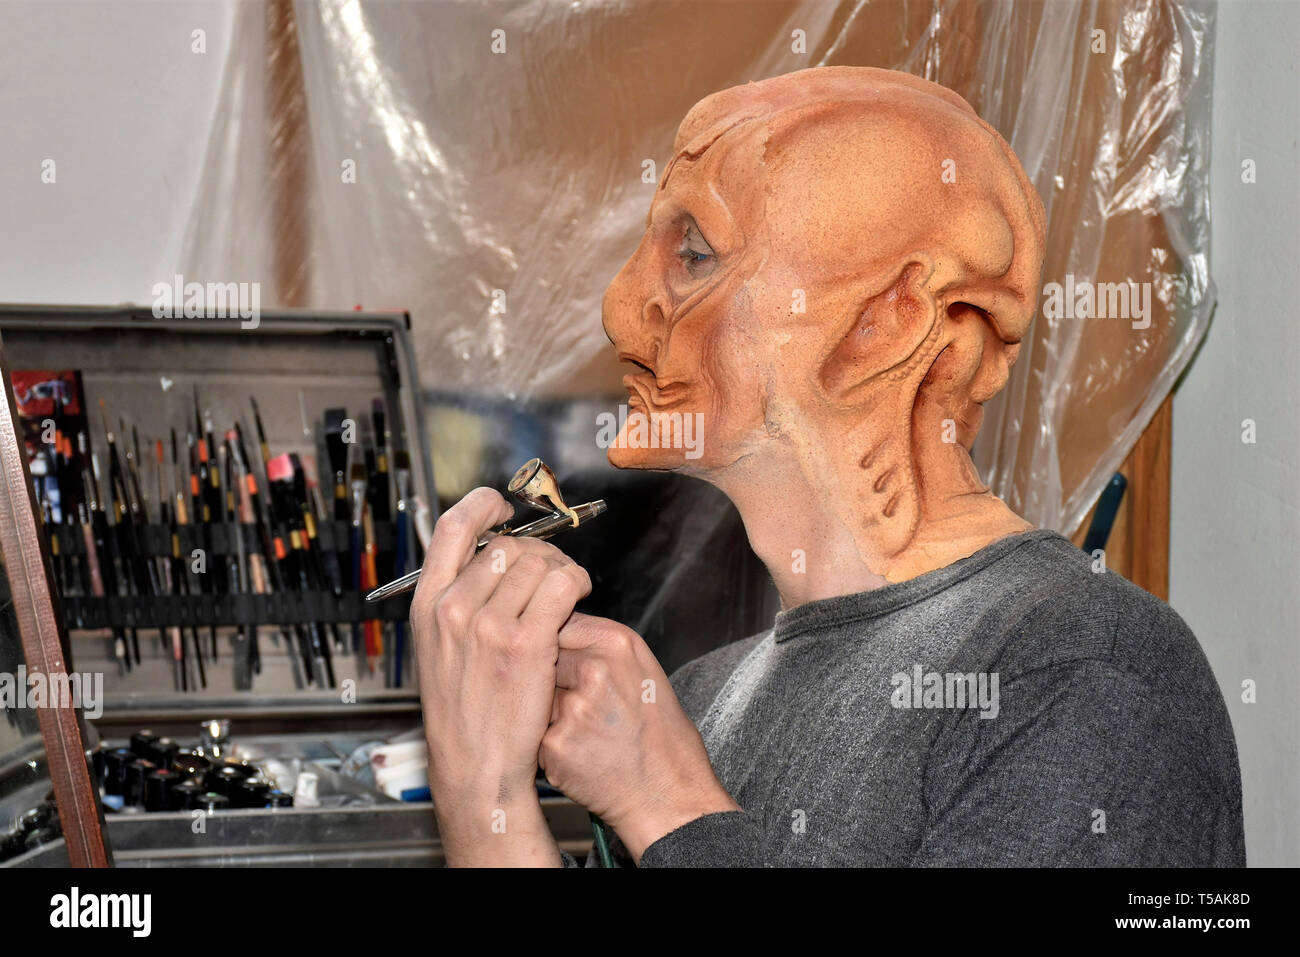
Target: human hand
{"type": "Point", "coordinates": [485, 626]}
{"type": "Point", "coordinates": [619, 742]}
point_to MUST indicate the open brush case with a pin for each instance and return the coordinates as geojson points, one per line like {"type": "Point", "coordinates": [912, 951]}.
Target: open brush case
{"type": "Point", "coordinates": [297, 365]}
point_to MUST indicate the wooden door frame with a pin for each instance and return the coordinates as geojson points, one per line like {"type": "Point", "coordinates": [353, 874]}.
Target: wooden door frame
{"type": "Point", "coordinates": [1138, 547]}
{"type": "Point", "coordinates": [27, 566]}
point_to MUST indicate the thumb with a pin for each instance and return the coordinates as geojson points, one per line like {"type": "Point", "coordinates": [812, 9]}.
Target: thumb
{"type": "Point", "coordinates": [585, 631]}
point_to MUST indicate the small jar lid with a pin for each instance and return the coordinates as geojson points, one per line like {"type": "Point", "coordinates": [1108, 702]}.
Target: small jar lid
{"type": "Point", "coordinates": [115, 769]}
{"type": "Point", "coordinates": [223, 779]}
{"type": "Point", "coordinates": [209, 801]}
{"type": "Point", "coordinates": [97, 757]}
{"type": "Point", "coordinates": [157, 788]}
{"type": "Point", "coordinates": [180, 795]}
{"type": "Point", "coordinates": [38, 816]}
{"type": "Point", "coordinates": [190, 764]}
{"type": "Point", "coordinates": [135, 773]}
{"type": "Point", "coordinates": [42, 835]}
{"type": "Point", "coordinates": [164, 752]}
{"type": "Point", "coordinates": [142, 743]}
{"type": "Point", "coordinates": [251, 793]}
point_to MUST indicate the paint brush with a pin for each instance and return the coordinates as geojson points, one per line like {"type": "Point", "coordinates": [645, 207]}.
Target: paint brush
{"type": "Point", "coordinates": [200, 513]}
{"type": "Point", "coordinates": [248, 656]}
{"type": "Point", "coordinates": [370, 579]}
{"type": "Point", "coordinates": [106, 545]}
{"type": "Point", "coordinates": [402, 532]}
{"type": "Point", "coordinates": [337, 449]}
{"type": "Point", "coordinates": [264, 446]}
{"type": "Point", "coordinates": [311, 544]}
{"type": "Point", "coordinates": [287, 513]}
{"type": "Point", "coordinates": [271, 563]}
{"type": "Point", "coordinates": [357, 482]}
{"type": "Point", "coordinates": [181, 578]}
{"type": "Point", "coordinates": [124, 532]}
{"type": "Point", "coordinates": [380, 497]}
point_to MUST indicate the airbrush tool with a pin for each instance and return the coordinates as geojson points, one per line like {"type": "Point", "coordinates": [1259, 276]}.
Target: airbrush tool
{"type": "Point", "coordinates": [534, 484]}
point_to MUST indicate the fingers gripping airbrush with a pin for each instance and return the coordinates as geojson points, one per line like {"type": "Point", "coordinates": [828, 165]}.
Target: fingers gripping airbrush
{"type": "Point", "coordinates": [533, 484]}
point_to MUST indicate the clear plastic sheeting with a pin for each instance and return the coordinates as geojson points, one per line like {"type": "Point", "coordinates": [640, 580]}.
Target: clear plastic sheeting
{"type": "Point", "coordinates": [489, 167]}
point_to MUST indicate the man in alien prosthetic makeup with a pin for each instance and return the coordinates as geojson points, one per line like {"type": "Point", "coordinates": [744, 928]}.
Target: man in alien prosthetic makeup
{"type": "Point", "coordinates": [945, 684]}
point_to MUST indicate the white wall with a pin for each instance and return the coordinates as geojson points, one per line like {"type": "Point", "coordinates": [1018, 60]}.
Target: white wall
{"type": "Point", "coordinates": [1236, 524]}
{"type": "Point", "coordinates": [113, 94]}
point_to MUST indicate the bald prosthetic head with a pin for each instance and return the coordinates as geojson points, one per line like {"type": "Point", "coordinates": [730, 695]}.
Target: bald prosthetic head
{"type": "Point", "coordinates": [838, 267]}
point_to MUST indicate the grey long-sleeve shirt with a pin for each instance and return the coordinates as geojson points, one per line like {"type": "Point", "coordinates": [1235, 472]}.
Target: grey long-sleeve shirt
{"type": "Point", "coordinates": [1091, 731]}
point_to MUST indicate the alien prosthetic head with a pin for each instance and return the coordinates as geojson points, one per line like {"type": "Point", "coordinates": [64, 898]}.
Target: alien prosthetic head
{"type": "Point", "coordinates": [837, 270]}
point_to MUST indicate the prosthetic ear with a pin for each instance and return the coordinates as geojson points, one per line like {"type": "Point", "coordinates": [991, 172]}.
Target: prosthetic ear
{"type": "Point", "coordinates": [885, 337]}
{"type": "Point", "coordinates": [988, 308]}
{"type": "Point", "coordinates": [886, 340]}
{"type": "Point", "coordinates": [989, 320]}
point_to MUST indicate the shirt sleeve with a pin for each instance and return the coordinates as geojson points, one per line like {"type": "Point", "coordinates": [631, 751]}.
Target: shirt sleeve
{"type": "Point", "coordinates": [1066, 774]}
{"type": "Point", "coordinates": [726, 839]}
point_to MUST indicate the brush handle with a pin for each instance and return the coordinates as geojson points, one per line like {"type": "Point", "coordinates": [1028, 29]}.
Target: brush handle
{"type": "Point", "coordinates": [400, 547]}
{"type": "Point", "coordinates": [354, 541]}
{"type": "Point", "coordinates": [399, 563]}
{"type": "Point", "coordinates": [198, 657]}
{"type": "Point", "coordinates": [92, 560]}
